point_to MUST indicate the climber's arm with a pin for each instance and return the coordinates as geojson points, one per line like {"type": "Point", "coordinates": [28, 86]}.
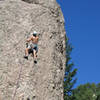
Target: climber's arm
{"type": "Point", "coordinates": [29, 39]}
{"type": "Point", "coordinates": [37, 38]}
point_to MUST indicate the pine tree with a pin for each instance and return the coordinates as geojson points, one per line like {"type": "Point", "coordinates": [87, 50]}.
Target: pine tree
{"type": "Point", "coordinates": [88, 91]}
{"type": "Point", "coordinates": [69, 73]}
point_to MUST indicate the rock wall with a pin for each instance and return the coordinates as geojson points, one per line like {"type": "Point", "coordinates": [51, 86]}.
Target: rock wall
{"type": "Point", "coordinates": [21, 79]}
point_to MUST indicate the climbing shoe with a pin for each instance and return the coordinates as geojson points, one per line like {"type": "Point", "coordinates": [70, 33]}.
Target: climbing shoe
{"type": "Point", "coordinates": [35, 61]}
{"type": "Point", "coordinates": [26, 57]}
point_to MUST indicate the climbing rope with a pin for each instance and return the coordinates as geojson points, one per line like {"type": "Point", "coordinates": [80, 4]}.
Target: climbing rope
{"type": "Point", "coordinates": [17, 83]}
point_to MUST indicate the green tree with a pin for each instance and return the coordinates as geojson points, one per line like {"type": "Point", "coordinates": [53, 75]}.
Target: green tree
{"type": "Point", "coordinates": [87, 92]}
{"type": "Point", "coordinates": [98, 91]}
{"type": "Point", "coordinates": [69, 80]}
{"type": "Point", "coordinates": [98, 97]}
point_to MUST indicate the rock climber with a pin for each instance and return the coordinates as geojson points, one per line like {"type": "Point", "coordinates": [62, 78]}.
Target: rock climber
{"type": "Point", "coordinates": [33, 46]}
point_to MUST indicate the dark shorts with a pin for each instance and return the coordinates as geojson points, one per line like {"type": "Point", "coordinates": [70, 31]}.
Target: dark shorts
{"type": "Point", "coordinates": [33, 47]}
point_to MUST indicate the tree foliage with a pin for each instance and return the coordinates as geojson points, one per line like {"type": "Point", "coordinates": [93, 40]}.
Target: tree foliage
{"type": "Point", "coordinates": [69, 80]}
{"type": "Point", "coordinates": [83, 92]}
{"type": "Point", "coordinates": [87, 92]}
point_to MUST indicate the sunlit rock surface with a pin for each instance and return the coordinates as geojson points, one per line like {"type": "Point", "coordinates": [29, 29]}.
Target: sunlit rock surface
{"type": "Point", "coordinates": [21, 79]}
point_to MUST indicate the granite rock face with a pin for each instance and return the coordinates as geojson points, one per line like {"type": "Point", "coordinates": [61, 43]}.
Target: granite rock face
{"type": "Point", "coordinates": [21, 79]}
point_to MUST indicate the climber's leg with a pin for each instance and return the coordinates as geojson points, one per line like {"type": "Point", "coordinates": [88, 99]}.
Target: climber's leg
{"type": "Point", "coordinates": [34, 53]}
{"type": "Point", "coordinates": [35, 50]}
{"type": "Point", "coordinates": [26, 53]}
{"type": "Point", "coordinates": [35, 56]}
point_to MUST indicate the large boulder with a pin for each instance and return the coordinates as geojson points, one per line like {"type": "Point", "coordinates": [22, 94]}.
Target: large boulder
{"type": "Point", "coordinates": [22, 79]}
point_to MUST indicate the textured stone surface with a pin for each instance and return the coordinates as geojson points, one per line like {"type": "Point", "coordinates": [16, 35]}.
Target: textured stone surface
{"type": "Point", "coordinates": [21, 79]}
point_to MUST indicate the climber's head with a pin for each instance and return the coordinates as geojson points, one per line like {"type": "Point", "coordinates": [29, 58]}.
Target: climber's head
{"type": "Point", "coordinates": [35, 33]}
